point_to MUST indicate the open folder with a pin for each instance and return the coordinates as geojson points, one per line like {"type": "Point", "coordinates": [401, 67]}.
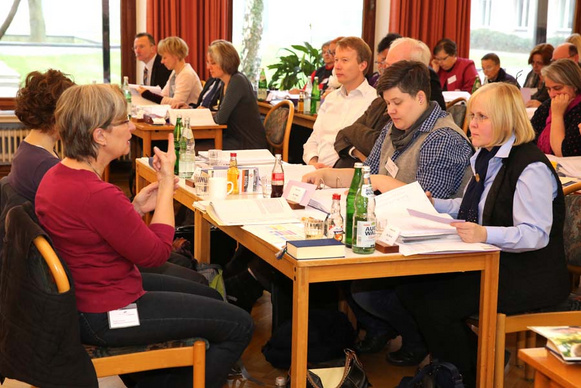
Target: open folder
{"type": "Point", "coordinates": [251, 211]}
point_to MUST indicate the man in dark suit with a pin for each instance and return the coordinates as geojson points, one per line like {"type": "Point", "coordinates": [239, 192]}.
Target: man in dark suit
{"type": "Point", "coordinates": [154, 72]}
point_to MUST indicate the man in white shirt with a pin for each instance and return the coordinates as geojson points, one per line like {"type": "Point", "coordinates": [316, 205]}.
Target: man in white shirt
{"type": "Point", "coordinates": [342, 106]}
{"type": "Point", "coordinates": [154, 72]}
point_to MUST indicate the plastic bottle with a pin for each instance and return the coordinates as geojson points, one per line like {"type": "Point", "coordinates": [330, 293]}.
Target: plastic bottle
{"type": "Point", "coordinates": [351, 203]}
{"type": "Point", "coordinates": [177, 135]}
{"type": "Point", "coordinates": [315, 97]}
{"type": "Point", "coordinates": [277, 181]}
{"type": "Point", "coordinates": [363, 240]}
{"type": "Point", "coordinates": [308, 91]}
{"type": "Point", "coordinates": [334, 221]}
{"type": "Point", "coordinates": [233, 173]}
{"type": "Point", "coordinates": [301, 102]}
{"type": "Point", "coordinates": [187, 151]}
{"type": "Point", "coordinates": [262, 86]}
{"type": "Point", "coordinates": [127, 94]}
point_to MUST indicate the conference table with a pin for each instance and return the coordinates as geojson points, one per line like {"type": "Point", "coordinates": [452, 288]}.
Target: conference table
{"type": "Point", "coordinates": [305, 272]}
{"type": "Point", "coordinates": [551, 372]}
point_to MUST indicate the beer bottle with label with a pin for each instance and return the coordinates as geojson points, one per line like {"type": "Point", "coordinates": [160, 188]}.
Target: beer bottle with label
{"type": "Point", "coordinates": [177, 135]}
{"type": "Point", "coordinates": [364, 217]}
{"type": "Point", "coordinates": [351, 203]}
{"type": "Point", "coordinates": [233, 172]}
{"type": "Point", "coordinates": [262, 86]}
{"type": "Point", "coordinates": [334, 221]}
{"type": "Point", "coordinates": [315, 97]}
{"type": "Point", "coordinates": [277, 178]}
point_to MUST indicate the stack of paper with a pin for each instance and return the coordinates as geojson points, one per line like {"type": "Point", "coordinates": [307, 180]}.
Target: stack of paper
{"type": "Point", "coordinates": [244, 157]}
{"type": "Point", "coordinates": [251, 211]}
{"type": "Point", "coordinates": [569, 166]}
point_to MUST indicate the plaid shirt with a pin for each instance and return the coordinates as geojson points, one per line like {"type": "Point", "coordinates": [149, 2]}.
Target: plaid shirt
{"type": "Point", "coordinates": [444, 156]}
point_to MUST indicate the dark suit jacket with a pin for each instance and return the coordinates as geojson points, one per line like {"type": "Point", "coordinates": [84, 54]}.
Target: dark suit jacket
{"type": "Point", "coordinates": [159, 73]}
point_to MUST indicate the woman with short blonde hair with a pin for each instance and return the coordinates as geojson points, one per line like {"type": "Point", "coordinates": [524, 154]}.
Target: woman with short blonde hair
{"type": "Point", "coordinates": [183, 85]}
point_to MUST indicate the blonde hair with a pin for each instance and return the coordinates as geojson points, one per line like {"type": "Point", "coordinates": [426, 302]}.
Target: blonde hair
{"type": "Point", "coordinates": [82, 109]}
{"type": "Point", "coordinates": [224, 55]}
{"type": "Point", "coordinates": [506, 111]}
{"type": "Point", "coordinates": [173, 45]}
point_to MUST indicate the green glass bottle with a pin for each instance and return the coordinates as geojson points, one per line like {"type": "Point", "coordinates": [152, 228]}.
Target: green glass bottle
{"type": "Point", "coordinates": [315, 97]}
{"type": "Point", "coordinates": [477, 84]}
{"type": "Point", "coordinates": [351, 203]}
{"type": "Point", "coordinates": [262, 86]}
{"type": "Point", "coordinates": [127, 94]}
{"type": "Point", "coordinates": [363, 241]}
{"type": "Point", "coordinates": [177, 135]}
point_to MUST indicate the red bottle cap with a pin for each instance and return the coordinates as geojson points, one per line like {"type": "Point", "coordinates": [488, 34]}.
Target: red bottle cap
{"type": "Point", "coordinates": [336, 196]}
{"type": "Point", "coordinates": [232, 154]}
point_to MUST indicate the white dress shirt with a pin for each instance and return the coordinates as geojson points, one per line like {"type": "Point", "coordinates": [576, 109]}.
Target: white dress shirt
{"type": "Point", "coordinates": [337, 111]}
{"type": "Point", "coordinates": [187, 87]}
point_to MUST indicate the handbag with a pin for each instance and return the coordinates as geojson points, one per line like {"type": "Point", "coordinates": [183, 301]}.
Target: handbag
{"type": "Point", "coordinates": [351, 375]}
{"type": "Point", "coordinates": [434, 375]}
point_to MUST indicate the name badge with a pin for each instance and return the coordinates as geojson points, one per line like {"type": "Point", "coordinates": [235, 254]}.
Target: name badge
{"type": "Point", "coordinates": [451, 79]}
{"type": "Point", "coordinates": [391, 167]}
{"type": "Point", "coordinates": [124, 317]}
{"type": "Point", "coordinates": [389, 235]}
{"type": "Point", "coordinates": [296, 194]}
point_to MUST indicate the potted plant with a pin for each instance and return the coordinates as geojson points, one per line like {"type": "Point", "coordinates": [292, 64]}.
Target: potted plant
{"type": "Point", "coordinates": [294, 68]}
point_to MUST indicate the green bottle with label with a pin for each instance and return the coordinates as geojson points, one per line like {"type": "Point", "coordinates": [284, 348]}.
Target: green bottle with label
{"type": "Point", "coordinates": [363, 241]}
{"type": "Point", "coordinates": [351, 202]}
{"type": "Point", "coordinates": [315, 97]}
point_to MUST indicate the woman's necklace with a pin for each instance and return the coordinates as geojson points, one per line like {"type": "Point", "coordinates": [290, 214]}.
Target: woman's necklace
{"type": "Point", "coordinates": [92, 168]}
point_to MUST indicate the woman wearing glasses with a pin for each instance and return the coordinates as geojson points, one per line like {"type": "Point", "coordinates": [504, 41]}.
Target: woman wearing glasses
{"type": "Point", "coordinates": [101, 237]}
{"type": "Point", "coordinates": [515, 202]}
{"type": "Point", "coordinates": [455, 73]}
{"type": "Point", "coordinates": [555, 121]}
{"type": "Point", "coordinates": [539, 57]}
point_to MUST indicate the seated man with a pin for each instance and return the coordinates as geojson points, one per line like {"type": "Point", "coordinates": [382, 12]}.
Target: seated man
{"type": "Point", "coordinates": [354, 142]}
{"type": "Point", "coordinates": [382, 50]}
{"type": "Point", "coordinates": [494, 73]}
{"type": "Point", "coordinates": [566, 51]}
{"type": "Point", "coordinates": [342, 106]}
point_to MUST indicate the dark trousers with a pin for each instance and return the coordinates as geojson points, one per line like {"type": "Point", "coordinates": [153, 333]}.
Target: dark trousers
{"type": "Point", "coordinates": [172, 309]}
{"type": "Point", "coordinates": [440, 307]}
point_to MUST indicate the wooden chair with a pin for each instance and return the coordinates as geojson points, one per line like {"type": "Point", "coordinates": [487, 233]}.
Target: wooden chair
{"type": "Point", "coordinates": [278, 123]}
{"type": "Point", "coordinates": [111, 361]}
{"type": "Point", "coordinates": [458, 109]}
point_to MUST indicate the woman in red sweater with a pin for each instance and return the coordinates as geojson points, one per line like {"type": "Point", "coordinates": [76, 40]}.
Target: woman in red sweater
{"type": "Point", "coordinates": [101, 237]}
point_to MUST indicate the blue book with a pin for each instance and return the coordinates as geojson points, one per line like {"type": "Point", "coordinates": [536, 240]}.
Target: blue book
{"type": "Point", "coordinates": [315, 248]}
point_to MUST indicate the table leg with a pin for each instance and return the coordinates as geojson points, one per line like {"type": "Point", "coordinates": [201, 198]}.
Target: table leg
{"type": "Point", "coordinates": [218, 140]}
{"type": "Point", "coordinates": [201, 238]}
{"type": "Point", "coordinates": [147, 151]}
{"type": "Point", "coordinates": [140, 183]}
{"type": "Point", "coordinates": [487, 323]}
{"type": "Point", "coordinates": [300, 328]}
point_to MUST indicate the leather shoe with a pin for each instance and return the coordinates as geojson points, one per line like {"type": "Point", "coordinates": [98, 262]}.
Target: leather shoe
{"type": "Point", "coordinates": [372, 344]}
{"type": "Point", "coordinates": [405, 357]}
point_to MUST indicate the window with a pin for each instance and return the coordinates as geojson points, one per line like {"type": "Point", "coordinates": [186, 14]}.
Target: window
{"type": "Point", "coordinates": [284, 24]}
{"type": "Point", "coordinates": [522, 13]}
{"type": "Point", "coordinates": [72, 41]}
{"type": "Point", "coordinates": [483, 13]}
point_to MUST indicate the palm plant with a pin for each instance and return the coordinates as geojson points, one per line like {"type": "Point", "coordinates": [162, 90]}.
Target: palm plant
{"type": "Point", "coordinates": [294, 68]}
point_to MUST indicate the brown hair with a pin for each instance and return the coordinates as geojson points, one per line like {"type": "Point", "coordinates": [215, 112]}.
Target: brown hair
{"type": "Point", "coordinates": [359, 45]}
{"type": "Point", "coordinates": [409, 76]}
{"type": "Point", "coordinates": [507, 113]}
{"type": "Point", "coordinates": [224, 55]}
{"type": "Point", "coordinates": [564, 71]}
{"type": "Point", "coordinates": [545, 50]}
{"type": "Point", "coordinates": [36, 100]}
{"type": "Point", "coordinates": [81, 110]}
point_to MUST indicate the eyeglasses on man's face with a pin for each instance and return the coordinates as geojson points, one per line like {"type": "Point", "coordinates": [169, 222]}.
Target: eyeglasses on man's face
{"type": "Point", "coordinates": [441, 59]}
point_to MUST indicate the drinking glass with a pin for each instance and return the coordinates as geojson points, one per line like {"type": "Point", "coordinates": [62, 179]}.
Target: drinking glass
{"type": "Point", "coordinates": [214, 157]}
{"type": "Point", "coordinates": [266, 184]}
{"type": "Point", "coordinates": [314, 228]}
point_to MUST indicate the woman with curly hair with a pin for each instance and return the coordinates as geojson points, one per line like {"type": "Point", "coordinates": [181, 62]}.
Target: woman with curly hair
{"type": "Point", "coordinates": [35, 105]}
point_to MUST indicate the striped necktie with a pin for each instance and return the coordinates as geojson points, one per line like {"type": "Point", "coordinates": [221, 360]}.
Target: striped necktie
{"type": "Point", "coordinates": [146, 76]}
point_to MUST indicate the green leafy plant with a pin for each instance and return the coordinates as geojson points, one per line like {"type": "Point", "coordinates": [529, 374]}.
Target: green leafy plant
{"type": "Point", "coordinates": [294, 68]}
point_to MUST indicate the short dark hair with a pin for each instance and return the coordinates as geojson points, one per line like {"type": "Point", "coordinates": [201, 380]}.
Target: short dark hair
{"type": "Point", "coordinates": [572, 50]}
{"type": "Point", "coordinates": [491, 57]}
{"type": "Point", "coordinates": [409, 76]}
{"type": "Point", "coordinates": [448, 45]}
{"type": "Point", "coordinates": [148, 35]}
{"type": "Point", "coordinates": [36, 99]}
{"type": "Point", "coordinates": [545, 50]}
{"type": "Point", "coordinates": [386, 41]}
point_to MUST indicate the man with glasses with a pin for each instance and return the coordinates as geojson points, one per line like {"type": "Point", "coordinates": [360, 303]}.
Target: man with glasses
{"type": "Point", "coordinates": [382, 50]}
{"type": "Point", "coordinates": [455, 73]}
{"type": "Point", "coordinates": [154, 72]}
{"type": "Point", "coordinates": [566, 51]}
{"type": "Point", "coordinates": [494, 73]}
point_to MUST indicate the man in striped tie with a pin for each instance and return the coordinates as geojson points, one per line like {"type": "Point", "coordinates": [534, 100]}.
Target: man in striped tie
{"type": "Point", "coordinates": [154, 72]}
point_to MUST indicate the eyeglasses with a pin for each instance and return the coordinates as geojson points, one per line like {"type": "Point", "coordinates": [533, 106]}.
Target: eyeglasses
{"type": "Point", "coordinates": [441, 59]}
{"type": "Point", "coordinates": [331, 52]}
{"type": "Point", "coordinates": [479, 117]}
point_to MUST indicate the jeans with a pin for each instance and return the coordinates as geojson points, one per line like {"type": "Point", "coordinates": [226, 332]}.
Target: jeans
{"type": "Point", "coordinates": [172, 309]}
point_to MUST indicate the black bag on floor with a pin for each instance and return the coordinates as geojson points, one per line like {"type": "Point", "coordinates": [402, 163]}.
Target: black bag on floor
{"type": "Point", "coordinates": [434, 375]}
{"type": "Point", "coordinates": [330, 332]}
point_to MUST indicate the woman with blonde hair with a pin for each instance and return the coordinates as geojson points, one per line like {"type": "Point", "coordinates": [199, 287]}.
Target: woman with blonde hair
{"type": "Point", "coordinates": [183, 85]}
{"type": "Point", "coordinates": [555, 121]}
{"type": "Point", "coordinates": [102, 238]}
{"type": "Point", "coordinates": [514, 201]}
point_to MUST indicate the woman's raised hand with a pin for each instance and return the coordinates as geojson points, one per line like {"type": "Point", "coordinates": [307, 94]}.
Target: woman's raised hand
{"type": "Point", "coordinates": [164, 162]}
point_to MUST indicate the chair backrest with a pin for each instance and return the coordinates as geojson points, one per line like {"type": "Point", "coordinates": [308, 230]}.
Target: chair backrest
{"type": "Point", "coordinates": [278, 123]}
{"type": "Point", "coordinates": [457, 109]}
{"type": "Point", "coordinates": [572, 229]}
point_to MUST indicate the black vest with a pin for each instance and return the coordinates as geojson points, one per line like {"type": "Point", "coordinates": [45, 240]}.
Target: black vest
{"type": "Point", "coordinates": [534, 279]}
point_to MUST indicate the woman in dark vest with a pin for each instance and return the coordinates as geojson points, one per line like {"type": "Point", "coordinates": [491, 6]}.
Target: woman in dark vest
{"type": "Point", "coordinates": [514, 201]}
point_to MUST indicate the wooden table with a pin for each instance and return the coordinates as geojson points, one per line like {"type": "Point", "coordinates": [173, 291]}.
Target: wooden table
{"type": "Point", "coordinates": [304, 120]}
{"type": "Point", "coordinates": [352, 267]}
{"type": "Point", "coordinates": [551, 372]}
{"type": "Point", "coordinates": [149, 132]}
